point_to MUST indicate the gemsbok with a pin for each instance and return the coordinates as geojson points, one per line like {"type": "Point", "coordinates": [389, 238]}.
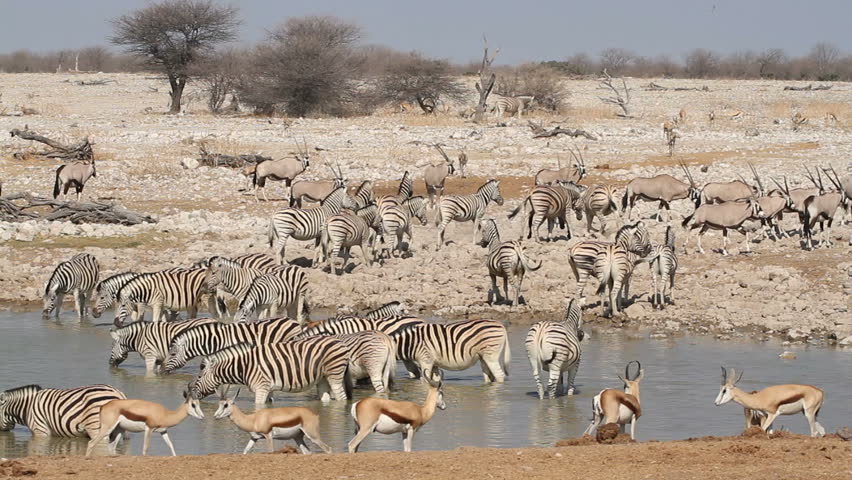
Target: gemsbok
{"type": "Point", "coordinates": [723, 216]}
{"type": "Point", "coordinates": [285, 169]}
{"type": "Point", "coordinates": [772, 401]}
{"type": "Point", "coordinates": [822, 208]}
{"type": "Point", "coordinates": [73, 175]}
{"type": "Point", "coordinates": [316, 190]}
{"type": "Point", "coordinates": [662, 188]}
{"type": "Point", "coordinates": [374, 414]}
{"type": "Point", "coordinates": [155, 417]}
{"type": "Point", "coordinates": [566, 174]}
{"type": "Point", "coordinates": [435, 176]}
{"type": "Point", "coordinates": [619, 407]}
{"type": "Point", "coordinates": [283, 423]}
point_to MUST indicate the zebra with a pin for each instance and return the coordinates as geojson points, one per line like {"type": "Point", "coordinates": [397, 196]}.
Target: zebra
{"type": "Point", "coordinates": [344, 231]}
{"type": "Point", "coordinates": [506, 260]}
{"type": "Point", "coordinates": [551, 203]}
{"type": "Point", "coordinates": [305, 224]}
{"type": "Point", "coordinates": [106, 291]}
{"type": "Point", "coordinates": [663, 263]}
{"type": "Point", "coordinates": [372, 354]}
{"type": "Point", "coordinates": [387, 310]}
{"type": "Point", "coordinates": [455, 346]}
{"type": "Point", "coordinates": [72, 412]}
{"type": "Point", "coordinates": [79, 274]}
{"type": "Point", "coordinates": [207, 339]}
{"type": "Point", "coordinates": [286, 289]}
{"type": "Point", "coordinates": [234, 276]}
{"type": "Point", "coordinates": [467, 208]}
{"type": "Point", "coordinates": [512, 105]}
{"type": "Point", "coordinates": [586, 257]}
{"type": "Point", "coordinates": [555, 347]}
{"type": "Point", "coordinates": [345, 324]}
{"type": "Point", "coordinates": [363, 196]}
{"type": "Point", "coordinates": [150, 340]}
{"type": "Point", "coordinates": [599, 201]}
{"type": "Point", "coordinates": [173, 289]}
{"type": "Point", "coordinates": [292, 366]}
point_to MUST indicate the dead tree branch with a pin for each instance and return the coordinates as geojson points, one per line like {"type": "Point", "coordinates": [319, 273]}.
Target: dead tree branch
{"type": "Point", "coordinates": [807, 88]}
{"type": "Point", "coordinates": [95, 212]}
{"type": "Point", "coordinates": [656, 87]}
{"type": "Point", "coordinates": [541, 132]}
{"type": "Point", "coordinates": [89, 83]}
{"type": "Point", "coordinates": [620, 98]}
{"type": "Point", "coordinates": [209, 159]}
{"type": "Point", "coordinates": [486, 81]}
{"type": "Point", "coordinates": [80, 151]}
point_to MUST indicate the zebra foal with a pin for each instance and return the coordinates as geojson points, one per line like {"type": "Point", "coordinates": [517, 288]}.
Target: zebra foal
{"type": "Point", "coordinates": [551, 203]}
{"type": "Point", "coordinates": [233, 276]}
{"type": "Point", "coordinates": [283, 288]}
{"type": "Point", "coordinates": [506, 260]}
{"type": "Point", "coordinates": [150, 340]}
{"type": "Point", "coordinates": [555, 348]}
{"type": "Point", "coordinates": [468, 208]}
{"type": "Point", "coordinates": [78, 275]}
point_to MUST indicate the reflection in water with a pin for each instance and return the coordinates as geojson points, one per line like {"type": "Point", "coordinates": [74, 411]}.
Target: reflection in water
{"type": "Point", "coordinates": [681, 381]}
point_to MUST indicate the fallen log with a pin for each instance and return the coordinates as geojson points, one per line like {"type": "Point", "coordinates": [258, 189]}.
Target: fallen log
{"type": "Point", "coordinates": [808, 88]}
{"type": "Point", "coordinates": [74, 212]}
{"type": "Point", "coordinates": [230, 161]}
{"type": "Point", "coordinates": [80, 151]}
{"type": "Point", "coordinates": [541, 132]}
{"type": "Point", "coordinates": [656, 87]}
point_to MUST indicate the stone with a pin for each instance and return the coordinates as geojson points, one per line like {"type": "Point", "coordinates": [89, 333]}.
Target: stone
{"type": "Point", "coordinates": [189, 163]}
{"type": "Point", "coordinates": [797, 335]}
{"type": "Point", "coordinates": [787, 355]}
{"type": "Point", "coordinates": [846, 342]}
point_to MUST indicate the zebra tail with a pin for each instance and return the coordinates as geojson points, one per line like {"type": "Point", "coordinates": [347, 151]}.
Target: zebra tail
{"type": "Point", "coordinates": [57, 184]}
{"type": "Point", "coordinates": [624, 199]}
{"type": "Point", "coordinates": [507, 355]}
{"type": "Point", "coordinates": [348, 381]}
{"type": "Point", "coordinates": [528, 263]}
{"type": "Point", "coordinates": [390, 364]}
{"type": "Point", "coordinates": [519, 207]}
{"type": "Point", "coordinates": [273, 235]}
{"type": "Point", "coordinates": [605, 277]}
{"type": "Point", "coordinates": [438, 217]}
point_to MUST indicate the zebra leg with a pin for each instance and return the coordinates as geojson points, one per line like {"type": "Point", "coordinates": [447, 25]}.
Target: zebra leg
{"type": "Point", "coordinates": [535, 364]}
{"type": "Point", "coordinates": [553, 380]}
{"type": "Point", "coordinates": [150, 364]}
{"type": "Point", "coordinates": [506, 288]}
{"type": "Point", "coordinates": [493, 293]}
{"type": "Point", "coordinates": [413, 369]}
{"type": "Point", "coordinates": [492, 363]}
{"type": "Point", "coordinates": [78, 304]}
{"type": "Point", "coordinates": [158, 312]}
{"type": "Point", "coordinates": [654, 283]}
{"type": "Point", "coordinates": [572, 373]}
{"type": "Point", "coordinates": [537, 220]}
{"type": "Point", "coordinates": [260, 395]}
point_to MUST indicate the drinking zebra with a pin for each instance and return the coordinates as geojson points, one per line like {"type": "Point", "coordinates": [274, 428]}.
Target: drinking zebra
{"type": "Point", "coordinates": [72, 412]}
{"type": "Point", "coordinates": [106, 291]}
{"type": "Point", "coordinates": [551, 203]}
{"type": "Point", "coordinates": [663, 263]}
{"type": "Point", "coordinates": [344, 231]}
{"type": "Point", "coordinates": [506, 260]}
{"type": "Point", "coordinates": [455, 346]}
{"type": "Point", "coordinates": [174, 289]}
{"type": "Point", "coordinates": [467, 208]}
{"type": "Point", "coordinates": [207, 339]}
{"type": "Point", "coordinates": [599, 201]}
{"type": "Point", "coordinates": [150, 340]}
{"type": "Point", "coordinates": [555, 348]}
{"type": "Point", "coordinates": [286, 288]}
{"type": "Point", "coordinates": [234, 276]}
{"type": "Point", "coordinates": [511, 105]}
{"type": "Point", "coordinates": [78, 275]}
{"type": "Point", "coordinates": [387, 310]}
{"type": "Point", "coordinates": [305, 224]}
{"type": "Point", "coordinates": [292, 366]}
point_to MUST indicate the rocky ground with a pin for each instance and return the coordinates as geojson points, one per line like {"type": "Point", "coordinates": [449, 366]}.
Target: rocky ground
{"type": "Point", "coordinates": [779, 289]}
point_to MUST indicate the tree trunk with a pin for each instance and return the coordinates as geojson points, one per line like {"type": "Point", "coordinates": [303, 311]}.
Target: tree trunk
{"type": "Point", "coordinates": [177, 84]}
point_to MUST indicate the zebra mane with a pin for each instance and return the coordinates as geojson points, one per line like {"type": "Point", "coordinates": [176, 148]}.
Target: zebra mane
{"type": "Point", "coordinates": [670, 237]}
{"type": "Point", "coordinates": [196, 330]}
{"type": "Point", "coordinates": [363, 187]}
{"type": "Point", "coordinates": [574, 314]}
{"type": "Point", "coordinates": [21, 391]}
{"type": "Point", "coordinates": [227, 353]}
{"type": "Point", "coordinates": [129, 328]}
{"type": "Point", "coordinates": [115, 278]}
{"type": "Point", "coordinates": [395, 306]}
{"type": "Point", "coordinates": [225, 261]}
{"type": "Point", "coordinates": [334, 194]}
{"type": "Point", "coordinates": [486, 184]}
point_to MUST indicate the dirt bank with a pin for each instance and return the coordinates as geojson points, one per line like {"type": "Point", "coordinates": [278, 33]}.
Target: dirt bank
{"type": "Point", "coordinates": [788, 457]}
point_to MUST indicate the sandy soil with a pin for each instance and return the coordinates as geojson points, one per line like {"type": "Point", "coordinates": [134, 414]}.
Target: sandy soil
{"type": "Point", "coordinates": [778, 290]}
{"type": "Point", "coordinates": [789, 457]}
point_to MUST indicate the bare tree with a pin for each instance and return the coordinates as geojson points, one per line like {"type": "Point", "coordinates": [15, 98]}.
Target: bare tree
{"type": "Point", "coordinates": [619, 97]}
{"type": "Point", "coordinates": [486, 81]}
{"type": "Point", "coordinates": [825, 57]}
{"type": "Point", "coordinates": [423, 80]}
{"type": "Point", "coordinates": [616, 60]}
{"type": "Point", "coordinates": [308, 65]}
{"type": "Point", "coordinates": [768, 60]}
{"type": "Point", "coordinates": [220, 74]}
{"type": "Point", "coordinates": [174, 34]}
{"type": "Point", "coordinates": [95, 58]}
{"type": "Point", "coordinates": [701, 63]}
{"type": "Point", "coordinates": [534, 79]}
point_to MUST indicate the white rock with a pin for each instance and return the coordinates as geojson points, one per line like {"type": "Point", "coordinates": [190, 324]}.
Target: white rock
{"type": "Point", "coordinates": [189, 163]}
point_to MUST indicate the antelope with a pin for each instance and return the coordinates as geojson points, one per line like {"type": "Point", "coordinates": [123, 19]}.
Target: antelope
{"type": "Point", "coordinates": [615, 406]}
{"type": "Point", "coordinates": [718, 192]}
{"type": "Point", "coordinates": [74, 174]}
{"type": "Point", "coordinates": [662, 188]}
{"type": "Point", "coordinates": [155, 417]}
{"type": "Point", "coordinates": [314, 190]}
{"type": "Point", "coordinates": [374, 414]}
{"type": "Point", "coordinates": [566, 174]}
{"type": "Point", "coordinates": [285, 169]}
{"type": "Point", "coordinates": [284, 423]}
{"type": "Point", "coordinates": [669, 127]}
{"type": "Point", "coordinates": [462, 163]}
{"type": "Point", "coordinates": [724, 216]}
{"type": "Point", "coordinates": [435, 175]}
{"type": "Point", "coordinates": [822, 207]}
{"type": "Point", "coordinates": [772, 401]}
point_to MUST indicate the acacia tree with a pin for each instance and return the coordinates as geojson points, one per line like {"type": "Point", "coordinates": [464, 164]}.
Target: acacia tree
{"type": "Point", "coordinates": [426, 81]}
{"type": "Point", "coordinates": [174, 34]}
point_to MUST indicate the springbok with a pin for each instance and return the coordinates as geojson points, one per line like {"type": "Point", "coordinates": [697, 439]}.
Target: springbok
{"type": "Point", "coordinates": [662, 188]}
{"type": "Point", "coordinates": [435, 175]}
{"type": "Point", "coordinates": [316, 190]}
{"type": "Point", "coordinates": [615, 406]}
{"type": "Point", "coordinates": [74, 174]}
{"type": "Point", "coordinates": [374, 414]}
{"type": "Point", "coordinates": [155, 417]}
{"type": "Point", "coordinates": [285, 169]}
{"type": "Point", "coordinates": [565, 174]}
{"type": "Point", "coordinates": [772, 401]}
{"type": "Point", "coordinates": [284, 423]}
{"type": "Point", "coordinates": [462, 163]}
{"type": "Point", "coordinates": [723, 216]}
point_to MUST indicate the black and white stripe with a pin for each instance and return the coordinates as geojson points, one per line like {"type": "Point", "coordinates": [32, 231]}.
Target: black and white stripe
{"type": "Point", "coordinates": [78, 275]}
{"type": "Point", "coordinates": [599, 201]}
{"type": "Point", "coordinates": [551, 203]}
{"type": "Point", "coordinates": [73, 412]}
{"type": "Point", "coordinates": [467, 208]}
{"type": "Point", "coordinates": [507, 260]}
{"type": "Point", "coordinates": [292, 366]}
{"type": "Point", "coordinates": [663, 263]}
{"type": "Point", "coordinates": [233, 277]}
{"type": "Point", "coordinates": [207, 339]}
{"type": "Point", "coordinates": [372, 354]}
{"type": "Point", "coordinates": [345, 324]}
{"type": "Point", "coordinates": [363, 196]}
{"type": "Point", "coordinates": [106, 291]}
{"type": "Point", "coordinates": [345, 231]}
{"type": "Point", "coordinates": [511, 105]}
{"type": "Point", "coordinates": [173, 289]}
{"type": "Point", "coordinates": [283, 289]}
{"type": "Point", "coordinates": [305, 223]}
{"type": "Point", "coordinates": [455, 346]}
{"type": "Point", "coordinates": [387, 310]}
{"type": "Point", "coordinates": [555, 348]}
{"type": "Point", "coordinates": [150, 340]}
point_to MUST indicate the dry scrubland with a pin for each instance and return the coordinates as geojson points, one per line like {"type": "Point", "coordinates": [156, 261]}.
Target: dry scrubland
{"type": "Point", "coordinates": [779, 290]}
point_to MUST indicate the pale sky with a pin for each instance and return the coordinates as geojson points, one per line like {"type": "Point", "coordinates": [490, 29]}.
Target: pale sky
{"type": "Point", "coordinates": [525, 31]}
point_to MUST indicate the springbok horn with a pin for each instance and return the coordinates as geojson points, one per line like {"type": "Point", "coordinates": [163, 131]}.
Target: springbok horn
{"type": "Point", "coordinates": [740, 377]}
{"type": "Point", "coordinates": [724, 375]}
